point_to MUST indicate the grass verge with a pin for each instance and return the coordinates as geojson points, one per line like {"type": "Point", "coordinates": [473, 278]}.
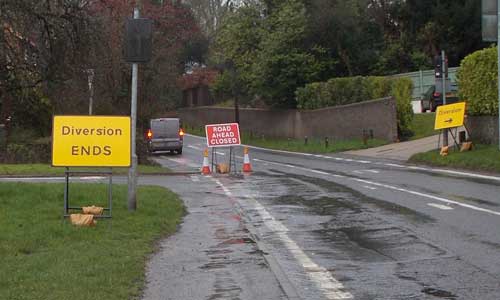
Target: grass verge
{"type": "Point", "coordinates": [39, 169]}
{"type": "Point", "coordinates": [423, 125]}
{"type": "Point", "coordinates": [44, 257]}
{"type": "Point", "coordinates": [482, 158]}
{"type": "Point", "coordinates": [312, 146]}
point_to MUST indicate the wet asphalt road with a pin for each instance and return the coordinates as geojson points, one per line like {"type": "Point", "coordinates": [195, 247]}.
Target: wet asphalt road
{"type": "Point", "coordinates": [328, 227]}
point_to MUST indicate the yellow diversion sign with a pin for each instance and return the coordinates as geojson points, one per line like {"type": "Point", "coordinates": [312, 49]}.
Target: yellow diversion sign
{"type": "Point", "coordinates": [449, 116]}
{"type": "Point", "coordinates": [91, 141]}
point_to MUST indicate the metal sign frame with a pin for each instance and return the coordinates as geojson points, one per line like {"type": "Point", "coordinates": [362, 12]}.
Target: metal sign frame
{"type": "Point", "coordinates": [67, 207]}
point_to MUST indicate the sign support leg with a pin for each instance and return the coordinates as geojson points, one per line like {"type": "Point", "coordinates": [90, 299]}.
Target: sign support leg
{"type": "Point", "coordinates": [66, 192]}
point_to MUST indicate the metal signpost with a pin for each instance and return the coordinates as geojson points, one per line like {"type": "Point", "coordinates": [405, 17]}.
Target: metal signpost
{"type": "Point", "coordinates": [223, 135]}
{"type": "Point", "coordinates": [443, 93]}
{"type": "Point", "coordinates": [138, 48]}
{"type": "Point", "coordinates": [85, 141]}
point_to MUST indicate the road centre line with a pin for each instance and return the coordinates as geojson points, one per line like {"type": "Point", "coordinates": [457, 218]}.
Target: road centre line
{"type": "Point", "coordinates": [330, 287]}
{"type": "Point", "coordinates": [459, 173]}
{"type": "Point", "coordinates": [390, 187]}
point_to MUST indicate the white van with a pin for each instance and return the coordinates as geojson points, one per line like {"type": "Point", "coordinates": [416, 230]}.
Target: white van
{"type": "Point", "coordinates": [165, 134]}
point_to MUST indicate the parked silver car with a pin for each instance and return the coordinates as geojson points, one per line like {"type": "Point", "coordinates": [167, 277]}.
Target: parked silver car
{"type": "Point", "coordinates": [165, 134]}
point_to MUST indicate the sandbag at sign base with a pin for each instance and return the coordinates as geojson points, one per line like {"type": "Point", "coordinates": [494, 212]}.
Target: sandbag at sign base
{"type": "Point", "coordinates": [444, 151]}
{"type": "Point", "coordinates": [466, 146]}
{"type": "Point", "coordinates": [92, 210]}
{"type": "Point", "coordinates": [223, 168]}
{"type": "Point", "coordinates": [82, 220]}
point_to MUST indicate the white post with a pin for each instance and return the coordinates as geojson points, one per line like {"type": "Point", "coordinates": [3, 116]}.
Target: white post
{"type": "Point", "coordinates": [132, 174]}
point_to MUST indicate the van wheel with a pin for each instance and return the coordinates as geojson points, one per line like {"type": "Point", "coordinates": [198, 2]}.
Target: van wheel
{"type": "Point", "coordinates": [179, 151]}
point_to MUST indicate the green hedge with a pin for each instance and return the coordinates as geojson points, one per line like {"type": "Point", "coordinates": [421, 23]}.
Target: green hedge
{"type": "Point", "coordinates": [38, 151]}
{"type": "Point", "coordinates": [478, 82]}
{"type": "Point", "coordinates": [342, 91]}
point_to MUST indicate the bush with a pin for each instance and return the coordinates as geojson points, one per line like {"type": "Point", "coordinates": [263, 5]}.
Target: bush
{"type": "Point", "coordinates": [38, 151]}
{"type": "Point", "coordinates": [478, 82]}
{"type": "Point", "coordinates": [342, 91]}
{"type": "Point", "coordinates": [401, 90]}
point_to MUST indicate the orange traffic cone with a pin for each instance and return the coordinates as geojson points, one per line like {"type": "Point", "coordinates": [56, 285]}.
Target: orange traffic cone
{"type": "Point", "coordinates": [246, 161]}
{"type": "Point", "coordinates": [205, 169]}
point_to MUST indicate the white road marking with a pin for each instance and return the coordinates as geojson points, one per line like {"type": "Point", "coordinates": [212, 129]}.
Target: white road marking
{"type": "Point", "coordinates": [183, 161]}
{"type": "Point", "coordinates": [364, 161]}
{"type": "Point", "coordinates": [440, 206]}
{"type": "Point", "coordinates": [50, 178]}
{"type": "Point", "coordinates": [390, 187]}
{"type": "Point", "coordinates": [196, 148]}
{"type": "Point", "coordinates": [465, 174]}
{"type": "Point", "coordinates": [357, 172]}
{"type": "Point", "coordinates": [92, 178]}
{"type": "Point", "coordinates": [429, 196]}
{"type": "Point", "coordinates": [326, 283]}
{"type": "Point", "coordinates": [369, 187]}
{"type": "Point", "coordinates": [372, 171]}
{"type": "Point", "coordinates": [195, 178]}
{"type": "Point", "coordinates": [395, 165]}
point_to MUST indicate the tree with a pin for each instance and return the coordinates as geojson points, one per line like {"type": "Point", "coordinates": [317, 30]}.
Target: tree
{"type": "Point", "coordinates": [284, 62]}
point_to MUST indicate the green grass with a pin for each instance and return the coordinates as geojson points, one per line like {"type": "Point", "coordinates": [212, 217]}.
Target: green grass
{"type": "Point", "coordinates": [481, 158]}
{"type": "Point", "coordinates": [313, 145]}
{"type": "Point", "coordinates": [423, 125]}
{"type": "Point", "coordinates": [44, 257]}
{"type": "Point", "coordinates": [44, 169]}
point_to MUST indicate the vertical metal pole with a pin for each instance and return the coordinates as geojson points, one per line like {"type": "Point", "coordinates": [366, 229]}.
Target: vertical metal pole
{"type": "Point", "coordinates": [132, 174]}
{"type": "Point", "coordinates": [498, 61]}
{"type": "Point", "coordinates": [91, 89]}
{"type": "Point", "coordinates": [110, 195]}
{"type": "Point", "coordinates": [443, 76]}
{"type": "Point", "coordinates": [66, 191]}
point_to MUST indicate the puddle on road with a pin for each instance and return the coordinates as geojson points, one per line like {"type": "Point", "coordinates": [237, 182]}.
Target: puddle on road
{"type": "Point", "coordinates": [365, 242]}
{"type": "Point", "coordinates": [340, 222]}
{"type": "Point", "coordinates": [438, 293]}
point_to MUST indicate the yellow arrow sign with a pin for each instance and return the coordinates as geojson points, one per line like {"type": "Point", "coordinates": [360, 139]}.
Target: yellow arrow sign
{"type": "Point", "coordinates": [449, 116]}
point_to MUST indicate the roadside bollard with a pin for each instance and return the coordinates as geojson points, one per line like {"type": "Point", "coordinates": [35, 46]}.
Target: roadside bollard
{"type": "Point", "coordinates": [288, 141]}
{"type": "Point", "coordinates": [305, 140]}
{"type": "Point", "coordinates": [371, 134]}
{"type": "Point", "coordinates": [365, 137]}
{"type": "Point", "coordinates": [326, 142]}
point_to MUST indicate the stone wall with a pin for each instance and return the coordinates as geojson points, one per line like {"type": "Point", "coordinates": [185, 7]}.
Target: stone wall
{"type": "Point", "coordinates": [341, 122]}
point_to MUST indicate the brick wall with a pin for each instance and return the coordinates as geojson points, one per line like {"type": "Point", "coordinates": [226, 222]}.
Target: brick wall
{"type": "Point", "coordinates": [341, 122]}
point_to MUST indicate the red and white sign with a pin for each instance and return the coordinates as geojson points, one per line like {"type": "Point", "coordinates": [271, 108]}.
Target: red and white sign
{"type": "Point", "coordinates": [223, 135]}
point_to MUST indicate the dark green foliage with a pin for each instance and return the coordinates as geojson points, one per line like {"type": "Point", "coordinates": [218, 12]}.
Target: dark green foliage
{"type": "Point", "coordinates": [341, 91]}
{"type": "Point", "coordinates": [401, 90]}
{"type": "Point", "coordinates": [478, 81]}
{"type": "Point", "coordinates": [35, 152]}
